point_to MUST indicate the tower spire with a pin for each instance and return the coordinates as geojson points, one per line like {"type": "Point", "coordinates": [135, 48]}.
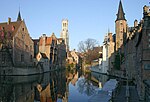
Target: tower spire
{"type": "Point", "coordinates": [120, 14]}
{"type": "Point", "coordinates": [19, 16]}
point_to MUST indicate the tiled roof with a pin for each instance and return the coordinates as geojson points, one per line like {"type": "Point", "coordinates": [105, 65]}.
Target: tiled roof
{"type": "Point", "coordinates": [10, 27]}
{"type": "Point", "coordinates": [48, 40]}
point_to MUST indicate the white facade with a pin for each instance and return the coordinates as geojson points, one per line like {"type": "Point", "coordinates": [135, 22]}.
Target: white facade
{"type": "Point", "coordinates": [108, 53]}
{"type": "Point", "coordinates": [64, 33]}
{"type": "Point", "coordinates": [105, 56]}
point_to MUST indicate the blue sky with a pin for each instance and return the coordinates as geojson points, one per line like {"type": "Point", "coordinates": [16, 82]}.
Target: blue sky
{"type": "Point", "coordinates": [87, 18]}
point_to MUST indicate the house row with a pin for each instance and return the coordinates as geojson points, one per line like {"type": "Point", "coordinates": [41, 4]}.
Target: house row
{"type": "Point", "coordinates": [19, 50]}
{"type": "Point", "coordinates": [74, 59]}
{"type": "Point", "coordinates": [127, 52]}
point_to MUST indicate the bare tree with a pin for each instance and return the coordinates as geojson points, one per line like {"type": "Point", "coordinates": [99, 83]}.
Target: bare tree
{"type": "Point", "coordinates": [81, 47]}
{"type": "Point", "coordinates": [87, 48]}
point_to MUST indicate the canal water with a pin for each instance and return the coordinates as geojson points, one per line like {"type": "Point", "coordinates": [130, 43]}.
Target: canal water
{"type": "Point", "coordinates": [57, 86]}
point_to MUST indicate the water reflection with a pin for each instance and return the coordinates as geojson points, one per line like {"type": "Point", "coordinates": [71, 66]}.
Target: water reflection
{"type": "Point", "coordinates": [17, 89]}
{"type": "Point", "coordinates": [58, 86]}
{"type": "Point", "coordinates": [51, 87]}
{"type": "Point", "coordinates": [85, 86]}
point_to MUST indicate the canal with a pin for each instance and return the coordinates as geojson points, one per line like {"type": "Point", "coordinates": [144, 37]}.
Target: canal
{"type": "Point", "coordinates": [57, 86]}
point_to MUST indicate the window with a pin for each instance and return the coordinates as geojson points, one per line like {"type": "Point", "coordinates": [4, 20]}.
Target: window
{"type": "Point", "coordinates": [31, 58]}
{"type": "Point", "coordinates": [22, 57]}
{"type": "Point", "coordinates": [22, 29]}
{"type": "Point", "coordinates": [65, 24]}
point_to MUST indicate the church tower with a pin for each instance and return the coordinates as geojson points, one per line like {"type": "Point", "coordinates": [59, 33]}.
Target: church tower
{"type": "Point", "coordinates": [64, 33]}
{"type": "Point", "coordinates": [121, 27]}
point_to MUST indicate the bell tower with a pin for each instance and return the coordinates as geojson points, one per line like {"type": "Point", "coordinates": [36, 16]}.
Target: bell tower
{"type": "Point", "coordinates": [121, 26]}
{"type": "Point", "coordinates": [64, 33]}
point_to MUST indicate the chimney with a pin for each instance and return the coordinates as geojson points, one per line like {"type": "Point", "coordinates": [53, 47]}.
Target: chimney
{"type": "Point", "coordinates": [135, 23]}
{"type": "Point", "coordinates": [9, 20]}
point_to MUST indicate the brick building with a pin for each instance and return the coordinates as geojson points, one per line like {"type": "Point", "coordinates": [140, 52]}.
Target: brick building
{"type": "Point", "coordinates": [132, 46]}
{"type": "Point", "coordinates": [136, 50]}
{"type": "Point", "coordinates": [16, 45]}
{"type": "Point", "coordinates": [54, 48]}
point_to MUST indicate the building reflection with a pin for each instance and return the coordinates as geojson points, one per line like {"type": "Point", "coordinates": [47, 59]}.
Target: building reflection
{"type": "Point", "coordinates": [49, 87]}
{"type": "Point", "coordinates": [98, 79]}
{"type": "Point", "coordinates": [52, 87]}
{"type": "Point", "coordinates": [17, 89]}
